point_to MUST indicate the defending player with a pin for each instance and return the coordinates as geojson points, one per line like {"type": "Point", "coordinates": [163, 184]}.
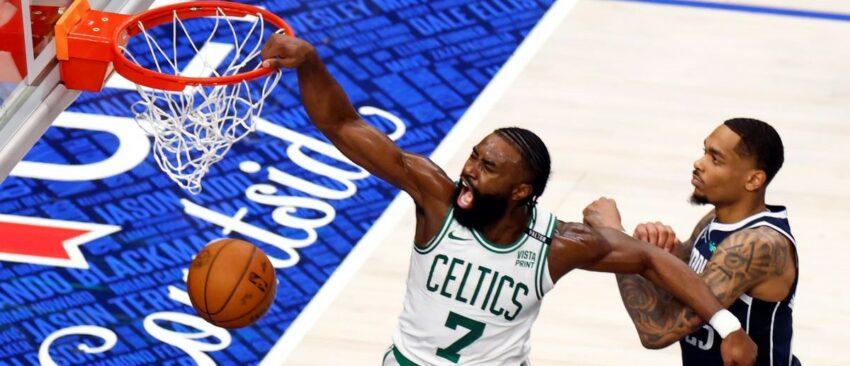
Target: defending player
{"type": "Point", "coordinates": [743, 250]}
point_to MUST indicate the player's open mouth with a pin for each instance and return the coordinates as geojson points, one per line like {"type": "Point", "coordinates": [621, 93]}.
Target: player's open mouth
{"type": "Point", "coordinates": [465, 198]}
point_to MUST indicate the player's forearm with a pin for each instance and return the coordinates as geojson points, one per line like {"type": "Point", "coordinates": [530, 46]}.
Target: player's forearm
{"type": "Point", "coordinates": [323, 98]}
{"type": "Point", "coordinates": [681, 282]}
{"type": "Point", "coordinates": [658, 318]}
{"type": "Point", "coordinates": [673, 276]}
{"type": "Point", "coordinates": [668, 272]}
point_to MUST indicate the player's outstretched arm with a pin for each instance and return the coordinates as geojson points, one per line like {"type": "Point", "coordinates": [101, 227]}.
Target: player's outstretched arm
{"type": "Point", "coordinates": [610, 250]}
{"type": "Point", "coordinates": [331, 111]}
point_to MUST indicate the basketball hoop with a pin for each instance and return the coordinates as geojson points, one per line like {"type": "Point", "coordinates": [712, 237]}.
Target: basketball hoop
{"type": "Point", "coordinates": [194, 109]}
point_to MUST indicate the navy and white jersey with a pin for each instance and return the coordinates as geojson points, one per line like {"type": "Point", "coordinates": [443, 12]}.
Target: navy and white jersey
{"type": "Point", "coordinates": [769, 324]}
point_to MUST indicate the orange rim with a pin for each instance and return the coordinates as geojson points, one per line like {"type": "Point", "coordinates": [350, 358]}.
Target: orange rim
{"type": "Point", "coordinates": [189, 10]}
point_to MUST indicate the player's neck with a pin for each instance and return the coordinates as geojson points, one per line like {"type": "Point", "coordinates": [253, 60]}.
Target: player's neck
{"type": "Point", "coordinates": [509, 227]}
{"type": "Point", "coordinates": [737, 211]}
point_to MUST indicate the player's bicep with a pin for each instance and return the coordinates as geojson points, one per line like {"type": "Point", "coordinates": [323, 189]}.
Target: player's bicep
{"type": "Point", "coordinates": [575, 246]}
{"type": "Point", "coordinates": [744, 260]}
{"type": "Point", "coordinates": [373, 150]}
{"type": "Point", "coordinates": [600, 250]}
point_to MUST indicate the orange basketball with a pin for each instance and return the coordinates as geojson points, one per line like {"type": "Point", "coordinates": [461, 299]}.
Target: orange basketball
{"type": "Point", "coordinates": [231, 283]}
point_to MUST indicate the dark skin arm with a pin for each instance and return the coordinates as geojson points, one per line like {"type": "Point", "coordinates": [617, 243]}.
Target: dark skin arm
{"type": "Point", "coordinates": [742, 261]}
{"type": "Point", "coordinates": [611, 250]}
{"type": "Point", "coordinates": [641, 297]}
{"type": "Point", "coordinates": [331, 111]}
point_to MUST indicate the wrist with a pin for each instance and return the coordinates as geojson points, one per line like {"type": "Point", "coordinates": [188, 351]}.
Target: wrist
{"type": "Point", "coordinates": [610, 224]}
{"type": "Point", "coordinates": [614, 225]}
{"type": "Point", "coordinates": [724, 322]}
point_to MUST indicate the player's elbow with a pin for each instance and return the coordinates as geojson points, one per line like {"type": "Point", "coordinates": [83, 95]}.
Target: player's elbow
{"type": "Point", "coordinates": [653, 345]}
{"type": "Point", "coordinates": [649, 344]}
{"type": "Point", "coordinates": [650, 341]}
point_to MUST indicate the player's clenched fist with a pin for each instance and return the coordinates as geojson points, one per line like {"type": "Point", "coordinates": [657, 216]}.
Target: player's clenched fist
{"type": "Point", "coordinates": [603, 213]}
{"type": "Point", "coordinates": [286, 51]}
{"type": "Point", "coordinates": [657, 234]}
{"type": "Point", "coordinates": [738, 349]}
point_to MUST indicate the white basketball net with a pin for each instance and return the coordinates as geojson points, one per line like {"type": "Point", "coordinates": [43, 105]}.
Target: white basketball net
{"type": "Point", "coordinates": [195, 128]}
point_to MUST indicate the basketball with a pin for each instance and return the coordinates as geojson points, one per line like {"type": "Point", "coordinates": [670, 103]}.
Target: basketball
{"type": "Point", "coordinates": [231, 283]}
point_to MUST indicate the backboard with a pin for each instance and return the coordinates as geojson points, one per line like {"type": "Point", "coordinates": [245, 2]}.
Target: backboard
{"type": "Point", "coordinates": [31, 94]}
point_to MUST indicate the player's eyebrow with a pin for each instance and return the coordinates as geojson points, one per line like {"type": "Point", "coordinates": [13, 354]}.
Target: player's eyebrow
{"type": "Point", "coordinates": [716, 153]}
{"type": "Point", "coordinates": [713, 150]}
{"type": "Point", "coordinates": [489, 163]}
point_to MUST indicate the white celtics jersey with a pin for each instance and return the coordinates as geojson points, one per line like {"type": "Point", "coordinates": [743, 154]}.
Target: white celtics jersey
{"type": "Point", "coordinates": [472, 302]}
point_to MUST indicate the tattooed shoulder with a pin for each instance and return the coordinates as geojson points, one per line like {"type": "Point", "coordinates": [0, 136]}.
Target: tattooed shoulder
{"type": "Point", "coordinates": [745, 259]}
{"type": "Point", "coordinates": [756, 248]}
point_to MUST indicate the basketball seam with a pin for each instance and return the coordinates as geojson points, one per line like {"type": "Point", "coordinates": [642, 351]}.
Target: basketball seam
{"type": "Point", "coordinates": [249, 312]}
{"type": "Point", "coordinates": [207, 279]}
{"type": "Point", "coordinates": [241, 277]}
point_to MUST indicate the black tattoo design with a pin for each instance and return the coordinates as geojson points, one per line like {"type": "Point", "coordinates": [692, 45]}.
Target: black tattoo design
{"type": "Point", "coordinates": [743, 260]}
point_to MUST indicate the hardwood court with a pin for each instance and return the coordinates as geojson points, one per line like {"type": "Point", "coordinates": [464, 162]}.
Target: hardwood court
{"type": "Point", "coordinates": [624, 94]}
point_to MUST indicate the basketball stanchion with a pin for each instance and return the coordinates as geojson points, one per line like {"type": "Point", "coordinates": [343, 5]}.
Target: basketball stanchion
{"type": "Point", "coordinates": [194, 118]}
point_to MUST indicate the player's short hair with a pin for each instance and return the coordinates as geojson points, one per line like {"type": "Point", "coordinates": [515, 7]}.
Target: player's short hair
{"type": "Point", "coordinates": [761, 141]}
{"type": "Point", "coordinates": [534, 153]}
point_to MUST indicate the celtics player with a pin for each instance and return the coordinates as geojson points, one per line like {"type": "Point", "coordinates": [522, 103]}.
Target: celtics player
{"type": "Point", "coordinates": [743, 250]}
{"type": "Point", "coordinates": [484, 254]}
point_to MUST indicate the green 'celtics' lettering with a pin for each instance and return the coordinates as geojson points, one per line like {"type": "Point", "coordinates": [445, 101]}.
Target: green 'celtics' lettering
{"type": "Point", "coordinates": [431, 274]}
{"type": "Point", "coordinates": [515, 300]}
{"type": "Point", "coordinates": [455, 278]}
{"type": "Point", "coordinates": [450, 277]}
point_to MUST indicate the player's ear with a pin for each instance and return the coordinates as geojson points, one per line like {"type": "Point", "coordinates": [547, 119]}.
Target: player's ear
{"type": "Point", "coordinates": [522, 191]}
{"type": "Point", "coordinates": [755, 180]}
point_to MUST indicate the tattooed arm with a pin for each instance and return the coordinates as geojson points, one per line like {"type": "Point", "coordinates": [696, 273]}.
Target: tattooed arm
{"type": "Point", "coordinates": [608, 250]}
{"type": "Point", "coordinates": [742, 261]}
{"type": "Point", "coordinates": [641, 297]}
